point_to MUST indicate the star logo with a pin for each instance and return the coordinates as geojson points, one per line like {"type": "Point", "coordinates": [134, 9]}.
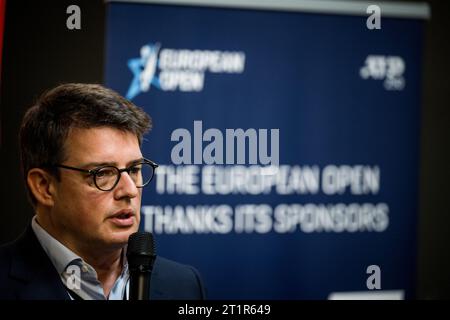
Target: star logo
{"type": "Point", "coordinates": [144, 69]}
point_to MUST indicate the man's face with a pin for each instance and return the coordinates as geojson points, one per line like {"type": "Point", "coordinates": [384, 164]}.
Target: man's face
{"type": "Point", "coordinates": [83, 216]}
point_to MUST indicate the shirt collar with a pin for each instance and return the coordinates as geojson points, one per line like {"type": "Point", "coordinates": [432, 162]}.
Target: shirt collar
{"type": "Point", "coordinates": [62, 257]}
{"type": "Point", "coordinates": [59, 254]}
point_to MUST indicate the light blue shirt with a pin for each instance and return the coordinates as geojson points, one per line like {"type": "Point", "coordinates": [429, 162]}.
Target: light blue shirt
{"type": "Point", "coordinates": [75, 273]}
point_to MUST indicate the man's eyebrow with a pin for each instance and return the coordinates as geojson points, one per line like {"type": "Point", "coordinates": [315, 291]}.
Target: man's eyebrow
{"type": "Point", "coordinates": [113, 163]}
{"type": "Point", "coordinates": [135, 161]}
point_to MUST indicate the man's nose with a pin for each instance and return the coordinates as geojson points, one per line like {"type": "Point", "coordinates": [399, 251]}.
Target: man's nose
{"type": "Point", "coordinates": [126, 187]}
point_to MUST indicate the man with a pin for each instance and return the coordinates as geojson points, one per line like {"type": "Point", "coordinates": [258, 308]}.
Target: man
{"type": "Point", "coordinates": [84, 172]}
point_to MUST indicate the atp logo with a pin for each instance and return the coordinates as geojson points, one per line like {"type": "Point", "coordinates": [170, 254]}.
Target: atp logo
{"type": "Point", "coordinates": [387, 68]}
{"type": "Point", "coordinates": [179, 69]}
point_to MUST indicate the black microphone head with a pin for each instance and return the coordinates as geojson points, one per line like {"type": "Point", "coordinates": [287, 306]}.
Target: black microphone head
{"type": "Point", "coordinates": [141, 243]}
{"type": "Point", "coordinates": [140, 250]}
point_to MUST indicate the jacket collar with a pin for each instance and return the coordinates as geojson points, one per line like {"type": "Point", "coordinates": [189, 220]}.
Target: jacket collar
{"type": "Point", "coordinates": [31, 265]}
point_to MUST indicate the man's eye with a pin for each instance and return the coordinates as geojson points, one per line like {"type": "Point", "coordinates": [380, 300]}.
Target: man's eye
{"type": "Point", "coordinates": [135, 170]}
{"type": "Point", "coordinates": [105, 173]}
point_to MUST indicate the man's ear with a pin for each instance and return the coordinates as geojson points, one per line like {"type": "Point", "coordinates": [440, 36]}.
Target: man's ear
{"type": "Point", "coordinates": [41, 184]}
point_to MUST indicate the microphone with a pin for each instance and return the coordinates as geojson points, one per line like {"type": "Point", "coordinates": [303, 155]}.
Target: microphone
{"type": "Point", "coordinates": [141, 256]}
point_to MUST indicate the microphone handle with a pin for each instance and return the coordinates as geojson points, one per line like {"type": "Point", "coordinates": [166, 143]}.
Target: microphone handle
{"type": "Point", "coordinates": [140, 285]}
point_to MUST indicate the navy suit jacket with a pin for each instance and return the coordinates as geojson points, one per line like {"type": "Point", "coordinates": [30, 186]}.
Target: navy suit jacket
{"type": "Point", "coordinates": [27, 273]}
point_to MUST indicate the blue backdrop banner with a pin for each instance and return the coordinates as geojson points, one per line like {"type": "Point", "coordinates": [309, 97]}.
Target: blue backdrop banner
{"type": "Point", "coordinates": [288, 145]}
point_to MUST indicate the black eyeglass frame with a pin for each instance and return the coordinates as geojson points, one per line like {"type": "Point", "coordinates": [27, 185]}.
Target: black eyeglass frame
{"type": "Point", "coordinates": [93, 172]}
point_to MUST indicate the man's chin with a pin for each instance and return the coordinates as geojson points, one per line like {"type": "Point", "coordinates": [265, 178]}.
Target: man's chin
{"type": "Point", "coordinates": [121, 236]}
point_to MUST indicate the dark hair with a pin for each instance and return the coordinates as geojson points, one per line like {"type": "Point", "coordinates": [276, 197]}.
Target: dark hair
{"type": "Point", "coordinates": [47, 123]}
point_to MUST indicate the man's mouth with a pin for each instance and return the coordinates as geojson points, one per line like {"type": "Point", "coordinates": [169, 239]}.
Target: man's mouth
{"type": "Point", "coordinates": [123, 218]}
{"type": "Point", "coordinates": [123, 215]}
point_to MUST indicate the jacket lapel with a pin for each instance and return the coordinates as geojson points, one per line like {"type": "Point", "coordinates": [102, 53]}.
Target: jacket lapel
{"type": "Point", "coordinates": [32, 267]}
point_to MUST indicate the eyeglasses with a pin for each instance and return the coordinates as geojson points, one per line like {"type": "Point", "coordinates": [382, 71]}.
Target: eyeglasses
{"type": "Point", "coordinates": [107, 177]}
